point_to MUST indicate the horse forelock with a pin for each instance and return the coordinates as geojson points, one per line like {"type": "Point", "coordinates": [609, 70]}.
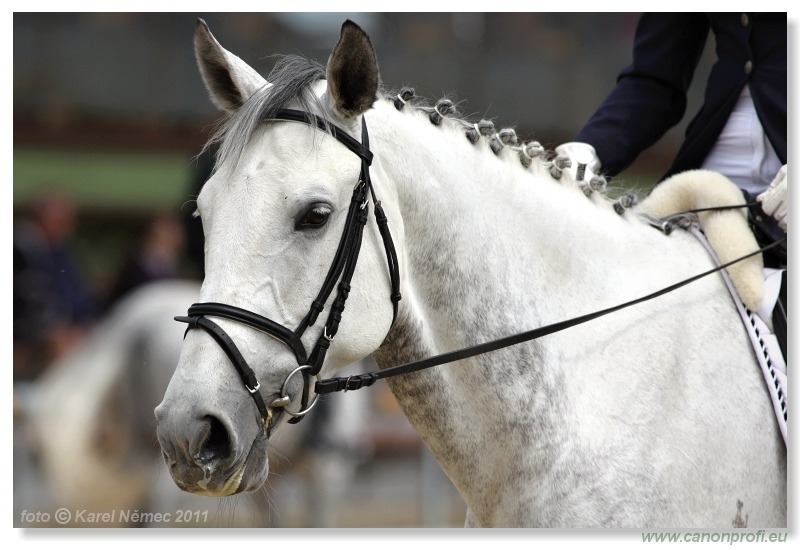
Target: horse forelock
{"type": "Point", "coordinates": [291, 79]}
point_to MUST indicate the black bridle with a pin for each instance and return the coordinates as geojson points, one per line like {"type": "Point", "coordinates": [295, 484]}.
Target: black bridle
{"type": "Point", "coordinates": [339, 276]}
{"type": "Point", "coordinates": [341, 271]}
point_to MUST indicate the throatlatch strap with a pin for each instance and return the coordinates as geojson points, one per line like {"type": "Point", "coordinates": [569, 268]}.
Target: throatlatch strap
{"type": "Point", "coordinates": [391, 255]}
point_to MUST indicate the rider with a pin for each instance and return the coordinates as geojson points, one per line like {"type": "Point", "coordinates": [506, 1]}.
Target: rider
{"type": "Point", "coordinates": [740, 130]}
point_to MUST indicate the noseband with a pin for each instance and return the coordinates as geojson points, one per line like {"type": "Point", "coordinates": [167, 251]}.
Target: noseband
{"type": "Point", "coordinates": [339, 276]}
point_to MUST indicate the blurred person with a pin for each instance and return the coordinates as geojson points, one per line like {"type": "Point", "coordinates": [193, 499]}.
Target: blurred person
{"type": "Point", "coordinates": [53, 305]}
{"type": "Point", "coordinates": [157, 257]}
{"type": "Point", "coordinates": [740, 131]}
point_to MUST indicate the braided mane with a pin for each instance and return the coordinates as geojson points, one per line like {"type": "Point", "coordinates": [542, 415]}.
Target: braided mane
{"type": "Point", "coordinates": [506, 139]}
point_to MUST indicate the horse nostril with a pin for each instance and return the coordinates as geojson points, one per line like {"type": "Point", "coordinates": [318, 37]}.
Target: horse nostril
{"type": "Point", "coordinates": [217, 444]}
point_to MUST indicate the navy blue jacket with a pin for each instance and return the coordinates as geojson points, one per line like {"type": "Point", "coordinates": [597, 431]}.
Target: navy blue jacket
{"type": "Point", "coordinates": [650, 95]}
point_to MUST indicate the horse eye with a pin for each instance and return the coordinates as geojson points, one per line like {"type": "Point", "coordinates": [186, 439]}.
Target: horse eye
{"type": "Point", "coordinates": [314, 218]}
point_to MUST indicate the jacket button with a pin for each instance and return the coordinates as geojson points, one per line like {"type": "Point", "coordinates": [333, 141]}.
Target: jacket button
{"type": "Point", "coordinates": [745, 20]}
{"type": "Point", "coordinates": [748, 67]}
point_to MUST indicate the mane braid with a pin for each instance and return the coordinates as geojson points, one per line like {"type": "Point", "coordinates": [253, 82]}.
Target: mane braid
{"type": "Point", "coordinates": [531, 154]}
{"type": "Point", "coordinates": [290, 79]}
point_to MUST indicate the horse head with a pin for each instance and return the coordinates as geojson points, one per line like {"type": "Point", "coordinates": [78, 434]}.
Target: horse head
{"type": "Point", "coordinates": [277, 215]}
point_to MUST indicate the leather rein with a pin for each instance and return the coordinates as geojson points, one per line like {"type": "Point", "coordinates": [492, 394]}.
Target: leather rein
{"type": "Point", "coordinates": [339, 276]}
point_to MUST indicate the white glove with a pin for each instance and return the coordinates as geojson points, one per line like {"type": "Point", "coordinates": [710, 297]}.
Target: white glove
{"type": "Point", "coordinates": [774, 201]}
{"type": "Point", "coordinates": [581, 154]}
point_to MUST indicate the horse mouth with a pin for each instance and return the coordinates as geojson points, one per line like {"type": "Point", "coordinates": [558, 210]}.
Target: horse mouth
{"type": "Point", "coordinates": [249, 476]}
{"type": "Point", "coordinates": [229, 487]}
{"type": "Point", "coordinates": [213, 478]}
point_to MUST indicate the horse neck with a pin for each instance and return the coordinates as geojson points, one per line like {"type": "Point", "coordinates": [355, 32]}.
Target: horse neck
{"type": "Point", "coordinates": [489, 244]}
{"type": "Point", "coordinates": [489, 248]}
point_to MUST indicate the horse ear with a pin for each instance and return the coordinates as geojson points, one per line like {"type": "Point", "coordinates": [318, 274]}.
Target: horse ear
{"type": "Point", "coordinates": [229, 80]}
{"type": "Point", "coordinates": [352, 72]}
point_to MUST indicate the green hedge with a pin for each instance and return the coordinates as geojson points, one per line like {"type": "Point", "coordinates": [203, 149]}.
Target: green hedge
{"type": "Point", "coordinates": [115, 180]}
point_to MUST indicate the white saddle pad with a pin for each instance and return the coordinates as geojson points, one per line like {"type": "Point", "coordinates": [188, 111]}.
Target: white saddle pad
{"type": "Point", "coordinates": [765, 343]}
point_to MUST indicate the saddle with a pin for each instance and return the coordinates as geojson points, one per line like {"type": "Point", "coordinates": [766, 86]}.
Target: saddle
{"type": "Point", "coordinates": [766, 345]}
{"type": "Point", "coordinates": [759, 293]}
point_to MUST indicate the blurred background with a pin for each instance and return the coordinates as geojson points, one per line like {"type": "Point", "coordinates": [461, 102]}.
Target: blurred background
{"type": "Point", "coordinates": [109, 115]}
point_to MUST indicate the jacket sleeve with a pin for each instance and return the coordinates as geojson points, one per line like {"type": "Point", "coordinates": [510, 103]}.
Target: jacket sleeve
{"type": "Point", "coordinates": [650, 94]}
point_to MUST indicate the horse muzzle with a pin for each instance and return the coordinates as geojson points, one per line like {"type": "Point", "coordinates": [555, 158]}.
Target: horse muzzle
{"type": "Point", "coordinates": [204, 454]}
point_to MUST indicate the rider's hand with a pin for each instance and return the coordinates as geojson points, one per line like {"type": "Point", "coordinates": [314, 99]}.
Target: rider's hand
{"type": "Point", "coordinates": [774, 200]}
{"type": "Point", "coordinates": [581, 154]}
